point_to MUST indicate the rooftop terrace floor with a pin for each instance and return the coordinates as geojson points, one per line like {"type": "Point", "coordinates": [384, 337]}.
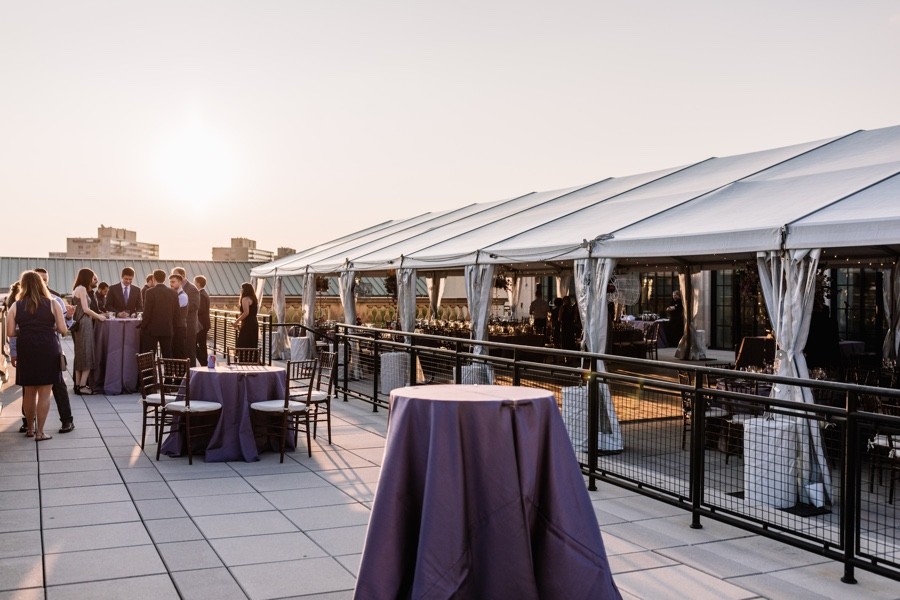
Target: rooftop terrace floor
{"type": "Point", "coordinates": [88, 514]}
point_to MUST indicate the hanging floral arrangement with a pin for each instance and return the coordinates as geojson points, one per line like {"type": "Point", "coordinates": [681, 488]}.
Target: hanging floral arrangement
{"type": "Point", "coordinates": [390, 284]}
{"type": "Point", "coordinates": [501, 283]}
{"type": "Point", "coordinates": [321, 284]}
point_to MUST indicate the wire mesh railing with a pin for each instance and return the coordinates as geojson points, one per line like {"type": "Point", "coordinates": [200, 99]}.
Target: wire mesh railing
{"type": "Point", "coordinates": [821, 476]}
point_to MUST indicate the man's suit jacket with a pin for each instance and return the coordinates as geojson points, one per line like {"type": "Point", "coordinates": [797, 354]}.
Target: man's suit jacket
{"type": "Point", "coordinates": [159, 311]}
{"type": "Point", "coordinates": [193, 307]}
{"type": "Point", "coordinates": [115, 299]}
{"type": "Point", "coordinates": [203, 314]}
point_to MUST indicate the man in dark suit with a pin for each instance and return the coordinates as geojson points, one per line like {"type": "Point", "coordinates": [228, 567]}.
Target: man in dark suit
{"type": "Point", "coordinates": [124, 298]}
{"type": "Point", "coordinates": [159, 316]}
{"type": "Point", "coordinates": [203, 317]}
{"type": "Point", "coordinates": [192, 322]}
{"type": "Point", "coordinates": [180, 346]}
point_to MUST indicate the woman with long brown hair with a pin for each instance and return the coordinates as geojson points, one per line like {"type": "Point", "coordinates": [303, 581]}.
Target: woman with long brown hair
{"type": "Point", "coordinates": [34, 321]}
{"type": "Point", "coordinates": [84, 329]}
{"type": "Point", "coordinates": [246, 323]}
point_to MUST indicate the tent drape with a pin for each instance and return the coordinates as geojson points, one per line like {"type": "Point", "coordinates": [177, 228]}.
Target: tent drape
{"type": "Point", "coordinates": [406, 298]}
{"type": "Point", "coordinates": [891, 292]}
{"type": "Point", "coordinates": [512, 294]}
{"type": "Point", "coordinates": [347, 291]}
{"type": "Point", "coordinates": [691, 285]}
{"type": "Point", "coordinates": [591, 277]}
{"type": "Point", "coordinates": [280, 345]}
{"type": "Point", "coordinates": [259, 285]}
{"type": "Point", "coordinates": [564, 283]}
{"type": "Point", "coordinates": [788, 282]}
{"type": "Point", "coordinates": [479, 280]}
{"type": "Point", "coordinates": [308, 301]}
{"type": "Point", "coordinates": [435, 285]}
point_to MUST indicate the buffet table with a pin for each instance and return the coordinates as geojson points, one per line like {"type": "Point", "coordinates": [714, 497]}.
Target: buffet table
{"type": "Point", "coordinates": [480, 496]}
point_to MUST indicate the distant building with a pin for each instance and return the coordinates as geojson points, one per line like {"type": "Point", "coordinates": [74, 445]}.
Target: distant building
{"type": "Point", "coordinates": [111, 242]}
{"type": "Point", "coordinates": [284, 251]}
{"type": "Point", "coordinates": [242, 250]}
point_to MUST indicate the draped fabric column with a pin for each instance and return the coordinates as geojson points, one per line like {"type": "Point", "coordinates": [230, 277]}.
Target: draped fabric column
{"type": "Point", "coordinates": [788, 282]}
{"type": "Point", "coordinates": [691, 285]}
{"type": "Point", "coordinates": [406, 298]}
{"type": "Point", "coordinates": [479, 285]}
{"type": "Point", "coordinates": [591, 277]}
{"type": "Point", "coordinates": [512, 294]}
{"type": "Point", "coordinates": [259, 285]}
{"type": "Point", "coordinates": [347, 290]}
{"type": "Point", "coordinates": [563, 285]}
{"type": "Point", "coordinates": [435, 285]}
{"type": "Point", "coordinates": [280, 345]}
{"type": "Point", "coordinates": [891, 291]}
{"type": "Point", "coordinates": [309, 301]}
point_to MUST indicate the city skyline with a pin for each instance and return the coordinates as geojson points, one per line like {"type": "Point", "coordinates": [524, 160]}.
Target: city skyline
{"type": "Point", "coordinates": [291, 124]}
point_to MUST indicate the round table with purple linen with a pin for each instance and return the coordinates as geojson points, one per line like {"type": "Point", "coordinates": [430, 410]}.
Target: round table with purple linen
{"type": "Point", "coordinates": [235, 387]}
{"type": "Point", "coordinates": [116, 342]}
{"type": "Point", "coordinates": [480, 496]}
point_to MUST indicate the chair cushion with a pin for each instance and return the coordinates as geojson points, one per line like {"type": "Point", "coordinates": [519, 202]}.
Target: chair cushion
{"type": "Point", "coordinates": [197, 406]}
{"type": "Point", "coordinates": [277, 406]}
{"type": "Point", "coordinates": [318, 396]}
{"type": "Point", "coordinates": [152, 399]}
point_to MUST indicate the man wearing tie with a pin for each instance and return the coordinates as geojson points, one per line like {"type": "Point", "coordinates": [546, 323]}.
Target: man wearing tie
{"type": "Point", "coordinates": [124, 298]}
{"type": "Point", "coordinates": [203, 317]}
{"type": "Point", "coordinates": [192, 322]}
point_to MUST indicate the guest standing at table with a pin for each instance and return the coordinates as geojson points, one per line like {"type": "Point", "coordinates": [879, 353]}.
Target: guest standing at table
{"type": "Point", "coordinates": [159, 316]}
{"type": "Point", "coordinates": [179, 323]}
{"type": "Point", "coordinates": [555, 325]}
{"type": "Point", "coordinates": [538, 310]}
{"type": "Point", "coordinates": [567, 322]}
{"type": "Point", "coordinates": [100, 295]}
{"type": "Point", "coordinates": [192, 322]}
{"type": "Point", "coordinates": [60, 393]}
{"type": "Point", "coordinates": [34, 320]}
{"type": "Point", "coordinates": [203, 318]}
{"type": "Point", "coordinates": [124, 297]}
{"type": "Point", "coordinates": [83, 327]}
{"type": "Point", "coordinates": [246, 323]}
{"type": "Point", "coordinates": [675, 327]}
{"type": "Point", "coordinates": [149, 282]}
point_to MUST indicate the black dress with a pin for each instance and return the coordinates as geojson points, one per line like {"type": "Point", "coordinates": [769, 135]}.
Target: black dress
{"type": "Point", "coordinates": [248, 336]}
{"type": "Point", "coordinates": [37, 347]}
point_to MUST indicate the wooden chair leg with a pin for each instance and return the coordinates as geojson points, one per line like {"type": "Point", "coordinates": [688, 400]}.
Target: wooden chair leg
{"type": "Point", "coordinates": [187, 437]}
{"type": "Point", "coordinates": [144, 428]}
{"type": "Point", "coordinates": [328, 418]}
{"type": "Point", "coordinates": [159, 445]}
{"type": "Point", "coordinates": [308, 440]}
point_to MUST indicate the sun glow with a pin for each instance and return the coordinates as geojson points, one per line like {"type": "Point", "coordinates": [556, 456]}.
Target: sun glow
{"type": "Point", "coordinates": [197, 166]}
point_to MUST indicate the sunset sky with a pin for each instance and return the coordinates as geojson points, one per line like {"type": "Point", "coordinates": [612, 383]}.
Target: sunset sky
{"type": "Point", "coordinates": [292, 122]}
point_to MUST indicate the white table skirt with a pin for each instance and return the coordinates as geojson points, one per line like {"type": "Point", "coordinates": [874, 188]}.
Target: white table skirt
{"type": "Point", "coordinates": [770, 461]}
{"type": "Point", "coordinates": [302, 348]}
{"type": "Point", "coordinates": [395, 371]}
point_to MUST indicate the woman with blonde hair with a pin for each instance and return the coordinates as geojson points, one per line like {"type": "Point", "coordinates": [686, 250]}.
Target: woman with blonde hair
{"type": "Point", "coordinates": [34, 321]}
{"type": "Point", "coordinates": [83, 329]}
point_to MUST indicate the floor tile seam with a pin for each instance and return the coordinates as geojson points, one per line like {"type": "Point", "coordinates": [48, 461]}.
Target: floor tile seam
{"type": "Point", "coordinates": [140, 517]}
{"type": "Point", "coordinates": [83, 550]}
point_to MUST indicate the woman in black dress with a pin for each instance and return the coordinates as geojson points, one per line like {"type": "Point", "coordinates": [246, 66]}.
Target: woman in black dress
{"type": "Point", "coordinates": [246, 324]}
{"type": "Point", "coordinates": [34, 321]}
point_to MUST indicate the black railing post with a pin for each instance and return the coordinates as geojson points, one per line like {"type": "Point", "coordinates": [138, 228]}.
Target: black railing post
{"type": "Point", "coordinates": [457, 365]}
{"type": "Point", "coordinates": [698, 449]}
{"type": "Point", "coordinates": [593, 428]}
{"type": "Point", "coordinates": [413, 360]}
{"type": "Point", "coordinates": [850, 487]}
{"type": "Point", "coordinates": [346, 360]}
{"type": "Point", "coordinates": [517, 373]}
{"type": "Point", "coordinates": [376, 372]}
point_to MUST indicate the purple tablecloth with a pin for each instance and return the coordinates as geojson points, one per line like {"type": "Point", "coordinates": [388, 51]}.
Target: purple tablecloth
{"type": "Point", "coordinates": [480, 496]}
{"type": "Point", "coordinates": [235, 387]}
{"type": "Point", "coordinates": [116, 341]}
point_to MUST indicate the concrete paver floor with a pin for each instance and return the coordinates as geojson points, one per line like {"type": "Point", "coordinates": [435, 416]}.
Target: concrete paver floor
{"type": "Point", "coordinates": [88, 514]}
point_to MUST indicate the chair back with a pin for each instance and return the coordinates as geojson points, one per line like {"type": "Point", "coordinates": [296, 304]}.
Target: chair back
{"type": "Point", "coordinates": [652, 335]}
{"type": "Point", "coordinates": [301, 375]}
{"type": "Point", "coordinates": [173, 375]}
{"type": "Point", "coordinates": [327, 372]}
{"type": "Point", "coordinates": [243, 356]}
{"type": "Point", "coordinates": [147, 381]}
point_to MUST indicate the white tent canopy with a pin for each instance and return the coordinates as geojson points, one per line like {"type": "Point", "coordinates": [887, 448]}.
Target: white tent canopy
{"type": "Point", "coordinates": [833, 193]}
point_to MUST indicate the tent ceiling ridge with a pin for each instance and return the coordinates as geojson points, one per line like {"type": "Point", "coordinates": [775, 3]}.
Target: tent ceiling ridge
{"type": "Point", "coordinates": [842, 198]}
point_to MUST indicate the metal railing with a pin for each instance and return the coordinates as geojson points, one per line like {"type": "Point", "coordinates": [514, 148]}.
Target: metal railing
{"type": "Point", "coordinates": [816, 477]}
{"type": "Point", "coordinates": [223, 335]}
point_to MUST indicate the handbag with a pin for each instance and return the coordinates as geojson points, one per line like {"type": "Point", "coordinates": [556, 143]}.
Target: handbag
{"type": "Point", "coordinates": [63, 363]}
{"type": "Point", "coordinates": [76, 319]}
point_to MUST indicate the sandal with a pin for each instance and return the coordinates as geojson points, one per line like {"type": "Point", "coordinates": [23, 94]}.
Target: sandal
{"type": "Point", "coordinates": [29, 434]}
{"type": "Point", "coordinates": [42, 436]}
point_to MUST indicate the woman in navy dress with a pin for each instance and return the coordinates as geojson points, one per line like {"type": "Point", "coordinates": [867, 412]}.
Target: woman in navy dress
{"type": "Point", "coordinates": [34, 320]}
{"type": "Point", "coordinates": [246, 323]}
